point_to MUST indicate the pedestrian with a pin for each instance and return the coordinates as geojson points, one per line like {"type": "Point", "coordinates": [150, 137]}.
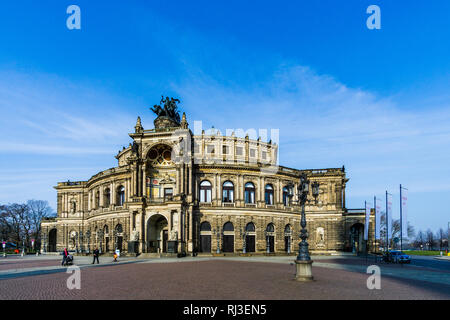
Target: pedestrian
{"type": "Point", "coordinates": [96, 253]}
{"type": "Point", "coordinates": [115, 257]}
{"type": "Point", "coordinates": [65, 254]}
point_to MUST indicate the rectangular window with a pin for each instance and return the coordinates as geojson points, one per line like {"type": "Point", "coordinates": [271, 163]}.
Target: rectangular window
{"type": "Point", "coordinates": [264, 155]}
{"type": "Point", "coordinates": [210, 149]}
{"type": "Point", "coordinates": [252, 153]}
{"type": "Point", "coordinates": [168, 193]}
{"type": "Point", "coordinates": [196, 148]}
{"type": "Point", "coordinates": [205, 195]}
{"type": "Point", "coordinates": [225, 149]}
{"type": "Point", "coordinates": [239, 151]}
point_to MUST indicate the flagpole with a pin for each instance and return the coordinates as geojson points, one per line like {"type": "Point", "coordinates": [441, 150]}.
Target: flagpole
{"type": "Point", "coordinates": [376, 225]}
{"type": "Point", "coordinates": [401, 222]}
{"type": "Point", "coordinates": [387, 224]}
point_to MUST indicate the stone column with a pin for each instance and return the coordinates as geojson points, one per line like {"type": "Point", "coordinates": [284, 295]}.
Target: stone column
{"type": "Point", "coordinates": [219, 190]}
{"type": "Point", "coordinates": [142, 236]}
{"type": "Point", "coordinates": [113, 193]}
{"type": "Point", "coordinates": [177, 185]}
{"type": "Point", "coordinates": [101, 196]}
{"type": "Point", "coordinates": [144, 182]}
{"type": "Point", "coordinates": [191, 231]}
{"type": "Point", "coordinates": [190, 186]}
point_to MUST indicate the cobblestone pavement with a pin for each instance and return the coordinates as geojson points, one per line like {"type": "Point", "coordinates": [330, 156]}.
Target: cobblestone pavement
{"type": "Point", "coordinates": [217, 278]}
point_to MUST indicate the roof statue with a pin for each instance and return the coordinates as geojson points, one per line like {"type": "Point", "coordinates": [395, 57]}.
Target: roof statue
{"type": "Point", "coordinates": [168, 109]}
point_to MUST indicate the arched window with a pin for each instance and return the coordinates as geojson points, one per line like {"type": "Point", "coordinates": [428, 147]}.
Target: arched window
{"type": "Point", "coordinates": [228, 226]}
{"type": "Point", "coordinates": [287, 229]}
{"type": "Point", "coordinates": [205, 191]}
{"type": "Point", "coordinates": [228, 192]}
{"type": "Point", "coordinates": [121, 196]}
{"type": "Point", "coordinates": [74, 206]}
{"type": "Point", "coordinates": [106, 229]}
{"type": "Point", "coordinates": [119, 228]}
{"type": "Point", "coordinates": [269, 194]}
{"type": "Point", "coordinates": [249, 192]}
{"type": "Point", "coordinates": [270, 227]}
{"type": "Point", "coordinates": [250, 227]}
{"type": "Point", "coordinates": [107, 197]}
{"type": "Point", "coordinates": [286, 196]}
{"type": "Point", "coordinates": [205, 226]}
{"type": "Point", "coordinates": [97, 199]}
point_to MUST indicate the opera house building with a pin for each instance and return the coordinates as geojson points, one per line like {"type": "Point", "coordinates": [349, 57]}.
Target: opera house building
{"type": "Point", "coordinates": [175, 192]}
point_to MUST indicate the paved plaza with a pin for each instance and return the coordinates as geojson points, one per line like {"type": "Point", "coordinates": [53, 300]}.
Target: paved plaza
{"type": "Point", "coordinates": [254, 278]}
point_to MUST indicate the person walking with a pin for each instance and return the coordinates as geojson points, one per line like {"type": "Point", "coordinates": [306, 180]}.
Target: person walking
{"type": "Point", "coordinates": [65, 254]}
{"type": "Point", "coordinates": [96, 253]}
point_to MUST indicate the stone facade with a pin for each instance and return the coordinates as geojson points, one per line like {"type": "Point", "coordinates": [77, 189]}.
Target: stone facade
{"type": "Point", "coordinates": [174, 191]}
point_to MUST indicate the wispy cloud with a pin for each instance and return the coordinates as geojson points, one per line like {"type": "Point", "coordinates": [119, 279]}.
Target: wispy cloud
{"type": "Point", "coordinates": [382, 141]}
{"type": "Point", "coordinates": [50, 115]}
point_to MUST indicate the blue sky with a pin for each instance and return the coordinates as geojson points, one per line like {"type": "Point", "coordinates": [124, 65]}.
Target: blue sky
{"type": "Point", "coordinates": [376, 101]}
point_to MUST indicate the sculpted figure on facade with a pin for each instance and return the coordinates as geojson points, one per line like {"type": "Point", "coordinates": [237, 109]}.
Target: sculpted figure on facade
{"type": "Point", "coordinates": [135, 235]}
{"type": "Point", "coordinates": [320, 237]}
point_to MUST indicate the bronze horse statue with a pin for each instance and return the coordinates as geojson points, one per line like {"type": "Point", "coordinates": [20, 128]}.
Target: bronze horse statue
{"type": "Point", "coordinates": [170, 108]}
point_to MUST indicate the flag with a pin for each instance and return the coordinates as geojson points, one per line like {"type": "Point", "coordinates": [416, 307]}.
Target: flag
{"type": "Point", "coordinates": [377, 218]}
{"type": "Point", "coordinates": [404, 211]}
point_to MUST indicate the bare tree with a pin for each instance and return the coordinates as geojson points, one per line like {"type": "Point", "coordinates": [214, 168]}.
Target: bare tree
{"type": "Point", "coordinates": [38, 209]}
{"type": "Point", "coordinates": [441, 235]}
{"type": "Point", "coordinates": [12, 219]}
{"type": "Point", "coordinates": [430, 239]}
{"type": "Point", "coordinates": [420, 240]}
{"type": "Point", "coordinates": [19, 223]}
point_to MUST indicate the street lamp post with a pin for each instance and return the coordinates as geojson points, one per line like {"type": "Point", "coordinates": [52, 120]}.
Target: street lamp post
{"type": "Point", "coordinates": [23, 247]}
{"type": "Point", "coordinates": [303, 261]}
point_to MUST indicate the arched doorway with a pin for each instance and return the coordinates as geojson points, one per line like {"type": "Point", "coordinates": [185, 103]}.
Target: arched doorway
{"type": "Point", "coordinates": [106, 235]}
{"type": "Point", "coordinates": [157, 234]}
{"type": "Point", "coordinates": [270, 237]}
{"type": "Point", "coordinates": [205, 237]}
{"type": "Point", "coordinates": [52, 240]}
{"type": "Point", "coordinates": [118, 237]}
{"type": "Point", "coordinates": [357, 237]}
{"type": "Point", "coordinates": [250, 237]}
{"type": "Point", "coordinates": [228, 237]}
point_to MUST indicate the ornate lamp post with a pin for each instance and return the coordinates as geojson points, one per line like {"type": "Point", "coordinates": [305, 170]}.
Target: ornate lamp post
{"type": "Point", "coordinates": [303, 261]}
